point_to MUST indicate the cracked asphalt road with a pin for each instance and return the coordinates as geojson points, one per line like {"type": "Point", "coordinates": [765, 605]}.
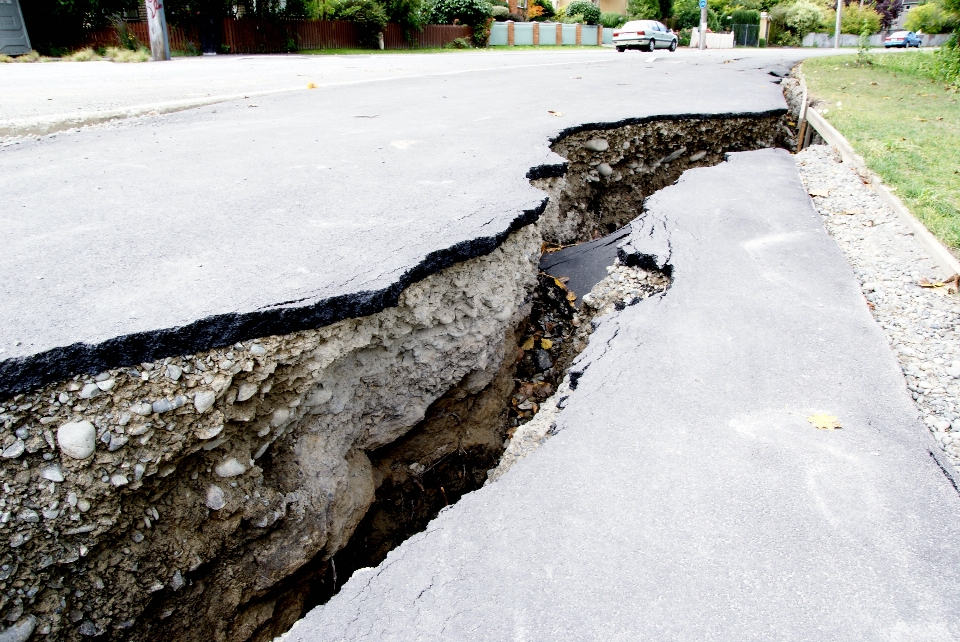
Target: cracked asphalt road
{"type": "Point", "coordinates": [685, 497]}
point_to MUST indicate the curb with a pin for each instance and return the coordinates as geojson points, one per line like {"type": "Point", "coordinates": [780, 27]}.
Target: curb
{"type": "Point", "coordinates": [947, 261]}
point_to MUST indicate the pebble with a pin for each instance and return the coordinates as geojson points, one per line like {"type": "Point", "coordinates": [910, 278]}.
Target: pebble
{"type": "Point", "coordinates": [203, 400]}
{"type": "Point", "coordinates": [921, 324]}
{"type": "Point", "coordinates": [77, 439]}
{"type": "Point", "coordinates": [89, 391]}
{"type": "Point", "coordinates": [697, 156]}
{"type": "Point", "coordinates": [215, 498]}
{"type": "Point", "coordinates": [138, 471]}
{"type": "Point", "coordinates": [106, 385]}
{"type": "Point", "coordinates": [117, 442]}
{"type": "Point", "coordinates": [174, 372]}
{"type": "Point", "coordinates": [177, 582]}
{"type": "Point", "coordinates": [83, 505]}
{"type": "Point", "coordinates": [605, 169]}
{"type": "Point", "coordinates": [230, 468]}
{"type": "Point", "coordinates": [28, 515]}
{"type": "Point", "coordinates": [52, 473]}
{"type": "Point", "coordinates": [597, 145]}
{"type": "Point", "coordinates": [142, 409]}
{"type": "Point", "coordinates": [166, 405]}
{"type": "Point", "coordinates": [257, 350]}
{"type": "Point", "coordinates": [14, 450]}
{"type": "Point", "coordinates": [119, 480]}
{"type": "Point", "coordinates": [246, 391]}
{"type": "Point", "coordinates": [21, 631]}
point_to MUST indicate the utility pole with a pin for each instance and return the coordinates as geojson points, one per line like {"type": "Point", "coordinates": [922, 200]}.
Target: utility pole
{"type": "Point", "coordinates": [157, 22]}
{"type": "Point", "coordinates": [836, 33]}
{"type": "Point", "coordinates": [703, 24]}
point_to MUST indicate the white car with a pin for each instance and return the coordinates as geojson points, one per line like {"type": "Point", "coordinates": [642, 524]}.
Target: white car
{"type": "Point", "coordinates": [644, 34]}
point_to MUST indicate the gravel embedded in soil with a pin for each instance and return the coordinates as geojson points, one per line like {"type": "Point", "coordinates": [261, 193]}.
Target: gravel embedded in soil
{"type": "Point", "coordinates": [922, 324]}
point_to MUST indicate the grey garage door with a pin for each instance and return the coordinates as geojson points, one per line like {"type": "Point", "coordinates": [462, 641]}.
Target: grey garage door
{"type": "Point", "coordinates": [13, 33]}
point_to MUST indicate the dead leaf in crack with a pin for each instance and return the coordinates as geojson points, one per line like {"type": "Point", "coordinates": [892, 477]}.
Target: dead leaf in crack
{"type": "Point", "coordinates": [571, 296]}
{"type": "Point", "coordinates": [923, 283]}
{"type": "Point", "coordinates": [546, 344]}
{"type": "Point", "coordinates": [528, 344]}
{"type": "Point", "coordinates": [824, 422]}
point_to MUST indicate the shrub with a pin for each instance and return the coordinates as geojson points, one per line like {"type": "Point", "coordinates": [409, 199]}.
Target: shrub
{"type": "Point", "coordinates": [803, 17]}
{"type": "Point", "coordinates": [124, 35]}
{"type": "Point", "coordinates": [117, 54]}
{"type": "Point", "coordinates": [409, 14]}
{"type": "Point", "coordinates": [948, 62]}
{"type": "Point", "coordinates": [541, 10]}
{"type": "Point", "coordinates": [457, 43]}
{"type": "Point", "coordinates": [612, 20]}
{"type": "Point", "coordinates": [369, 17]}
{"type": "Point", "coordinates": [589, 11]}
{"type": "Point", "coordinates": [745, 17]}
{"type": "Point", "coordinates": [852, 20]}
{"type": "Point", "coordinates": [501, 14]}
{"type": "Point", "coordinates": [473, 13]}
{"type": "Point", "coordinates": [683, 37]}
{"type": "Point", "coordinates": [930, 18]}
{"type": "Point", "coordinates": [643, 9]}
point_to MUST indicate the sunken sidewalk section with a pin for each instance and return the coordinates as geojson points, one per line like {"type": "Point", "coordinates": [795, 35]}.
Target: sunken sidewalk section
{"type": "Point", "coordinates": [228, 481]}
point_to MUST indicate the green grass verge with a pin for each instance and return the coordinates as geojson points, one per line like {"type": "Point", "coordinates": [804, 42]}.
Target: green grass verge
{"type": "Point", "coordinates": [904, 124]}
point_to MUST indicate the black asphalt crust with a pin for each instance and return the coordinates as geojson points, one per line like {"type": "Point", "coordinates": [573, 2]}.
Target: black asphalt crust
{"type": "Point", "coordinates": [218, 331]}
{"type": "Point", "coordinates": [23, 374]}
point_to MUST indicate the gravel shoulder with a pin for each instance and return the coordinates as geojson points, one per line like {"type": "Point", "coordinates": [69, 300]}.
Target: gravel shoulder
{"type": "Point", "coordinates": [922, 324]}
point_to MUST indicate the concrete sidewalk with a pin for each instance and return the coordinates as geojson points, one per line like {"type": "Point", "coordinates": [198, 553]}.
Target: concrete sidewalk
{"type": "Point", "coordinates": [686, 496]}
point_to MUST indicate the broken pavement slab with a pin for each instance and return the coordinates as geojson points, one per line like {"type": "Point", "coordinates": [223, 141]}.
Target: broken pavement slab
{"type": "Point", "coordinates": [685, 495]}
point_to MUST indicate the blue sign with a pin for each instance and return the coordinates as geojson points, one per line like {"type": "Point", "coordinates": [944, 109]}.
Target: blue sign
{"type": "Point", "coordinates": [703, 4]}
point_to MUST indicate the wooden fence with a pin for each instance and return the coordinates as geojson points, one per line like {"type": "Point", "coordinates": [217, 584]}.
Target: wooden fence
{"type": "Point", "coordinates": [251, 35]}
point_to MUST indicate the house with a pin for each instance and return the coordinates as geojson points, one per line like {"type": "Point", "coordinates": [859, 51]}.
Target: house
{"type": "Point", "coordinates": [902, 19]}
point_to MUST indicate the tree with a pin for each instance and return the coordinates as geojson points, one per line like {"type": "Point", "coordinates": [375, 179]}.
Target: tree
{"type": "Point", "coordinates": [930, 18]}
{"type": "Point", "coordinates": [644, 9]}
{"type": "Point", "coordinates": [889, 11]}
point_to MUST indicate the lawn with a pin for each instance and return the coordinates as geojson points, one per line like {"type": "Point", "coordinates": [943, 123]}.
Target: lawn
{"type": "Point", "coordinates": [905, 125]}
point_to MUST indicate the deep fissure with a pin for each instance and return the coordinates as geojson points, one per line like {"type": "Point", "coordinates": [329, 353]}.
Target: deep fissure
{"type": "Point", "coordinates": [184, 533]}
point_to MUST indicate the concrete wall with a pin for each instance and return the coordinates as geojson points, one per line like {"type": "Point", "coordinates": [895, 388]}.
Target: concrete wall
{"type": "Point", "coordinates": [714, 40]}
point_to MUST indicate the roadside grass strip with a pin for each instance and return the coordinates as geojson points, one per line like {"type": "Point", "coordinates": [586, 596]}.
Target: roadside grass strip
{"type": "Point", "coordinates": [905, 126]}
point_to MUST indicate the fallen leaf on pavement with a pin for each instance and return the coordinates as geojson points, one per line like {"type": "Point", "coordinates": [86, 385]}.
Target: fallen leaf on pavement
{"type": "Point", "coordinates": [824, 422]}
{"type": "Point", "coordinates": [923, 283]}
{"type": "Point", "coordinates": [311, 85]}
{"type": "Point", "coordinates": [528, 344]}
{"type": "Point", "coordinates": [555, 113]}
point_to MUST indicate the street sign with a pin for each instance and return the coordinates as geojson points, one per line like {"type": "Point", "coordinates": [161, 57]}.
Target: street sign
{"type": "Point", "coordinates": [703, 4]}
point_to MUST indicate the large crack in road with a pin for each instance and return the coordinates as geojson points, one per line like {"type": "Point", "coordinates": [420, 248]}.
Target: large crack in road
{"type": "Point", "coordinates": [247, 482]}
